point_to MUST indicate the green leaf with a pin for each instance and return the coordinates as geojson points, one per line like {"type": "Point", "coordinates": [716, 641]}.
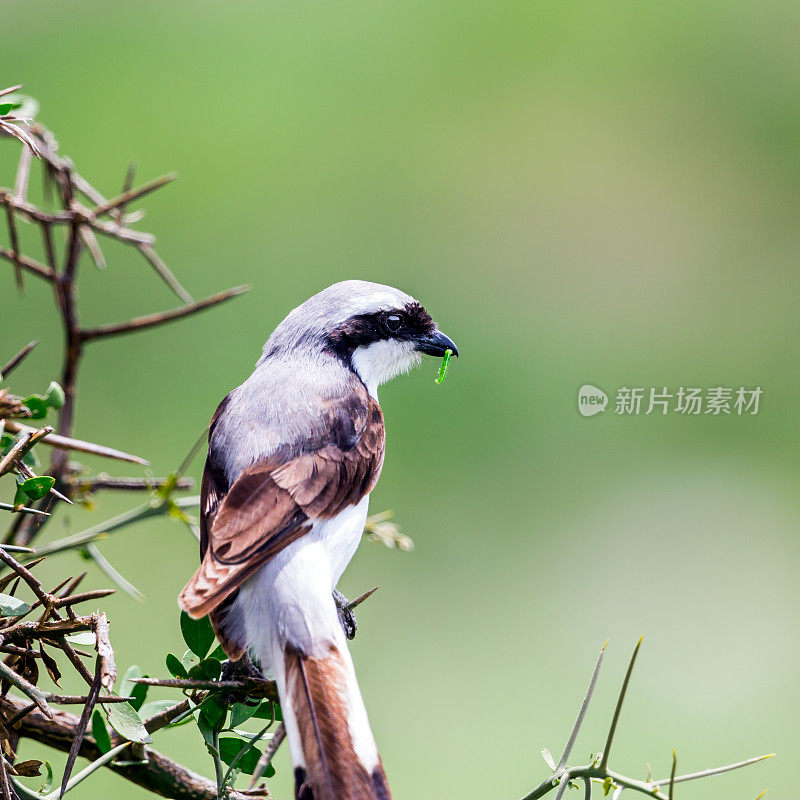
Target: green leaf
{"type": "Point", "coordinates": [265, 711]}
{"type": "Point", "coordinates": [37, 488]}
{"type": "Point", "coordinates": [7, 442]}
{"type": "Point", "coordinates": [85, 639]}
{"type": "Point", "coordinates": [176, 669]}
{"type": "Point", "coordinates": [219, 652]}
{"type": "Point", "coordinates": [205, 729]}
{"type": "Point", "coordinates": [139, 694]}
{"type": "Point", "coordinates": [241, 713]}
{"type": "Point", "coordinates": [125, 721]}
{"type": "Point", "coordinates": [100, 732]}
{"type": "Point", "coordinates": [37, 406]}
{"type": "Point", "coordinates": [5, 108]}
{"type": "Point", "coordinates": [213, 713]}
{"type": "Point", "coordinates": [30, 458]}
{"type": "Point", "coordinates": [189, 660]}
{"type": "Point", "coordinates": [127, 688]}
{"type": "Point", "coordinates": [197, 633]}
{"type": "Point", "coordinates": [12, 606]}
{"type": "Point", "coordinates": [20, 498]}
{"type": "Point", "coordinates": [156, 707]}
{"type": "Point", "coordinates": [230, 747]}
{"type": "Point", "coordinates": [126, 684]}
{"type": "Point", "coordinates": [208, 669]}
{"type": "Point", "coordinates": [54, 396]}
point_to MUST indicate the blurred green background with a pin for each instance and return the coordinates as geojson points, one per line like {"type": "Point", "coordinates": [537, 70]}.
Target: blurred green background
{"type": "Point", "coordinates": [578, 192]}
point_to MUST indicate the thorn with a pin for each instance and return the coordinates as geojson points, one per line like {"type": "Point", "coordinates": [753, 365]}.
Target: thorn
{"type": "Point", "coordinates": [361, 598]}
{"type": "Point", "coordinates": [672, 774]}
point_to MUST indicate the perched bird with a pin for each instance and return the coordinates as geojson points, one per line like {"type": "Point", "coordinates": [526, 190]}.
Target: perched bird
{"type": "Point", "coordinates": [294, 453]}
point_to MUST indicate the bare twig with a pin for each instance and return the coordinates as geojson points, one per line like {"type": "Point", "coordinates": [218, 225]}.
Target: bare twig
{"type": "Point", "coordinates": [16, 360]}
{"type": "Point", "coordinates": [114, 483]}
{"type": "Point", "coordinates": [254, 687]}
{"type": "Point", "coordinates": [14, 239]}
{"type": "Point", "coordinates": [618, 709]}
{"type": "Point", "coordinates": [105, 652]}
{"type": "Point", "coordinates": [83, 724]}
{"type": "Point", "coordinates": [21, 448]}
{"type": "Point", "coordinates": [166, 274]}
{"type": "Point", "coordinates": [23, 173]}
{"type": "Point", "coordinates": [129, 195]}
{"type": "Point", "coordinates": [598, 770]}
{"type": "Point", "coordinates": [672, 775]}
{"type": "Point", "coordinates": [268, 754]}
{"type": "Point", "coordinates": [25, 262]}
{"type": "Point", "coordinates": [706, 773]}
{"type": "Point", "coordinates": [26, 687]}
{"type": "Point", "coordinates": [562, 762]}
{"type": "Point", "coordinates": [152, 320]}
{"type": "Point", "coordinates": [23, 510]}
{"type": "Point", "coordinates": [67, 443]}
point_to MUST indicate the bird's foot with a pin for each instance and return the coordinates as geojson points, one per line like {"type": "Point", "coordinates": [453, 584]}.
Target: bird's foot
{"type": "Point", "coordinates": [237, 670]}
{"type": "Point", "coordinates": [346, 616]}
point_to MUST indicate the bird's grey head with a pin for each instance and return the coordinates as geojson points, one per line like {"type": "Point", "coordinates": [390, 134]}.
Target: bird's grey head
{"type": "Point", "coordinates": [376, 330]}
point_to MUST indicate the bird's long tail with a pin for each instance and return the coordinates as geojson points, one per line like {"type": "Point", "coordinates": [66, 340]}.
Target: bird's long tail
{"type": "Point", "coordinates": [333, 750]}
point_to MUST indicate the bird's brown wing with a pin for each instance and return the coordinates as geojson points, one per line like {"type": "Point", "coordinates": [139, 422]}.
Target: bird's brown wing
{"type": "Point", "coordinates": [274, 502]}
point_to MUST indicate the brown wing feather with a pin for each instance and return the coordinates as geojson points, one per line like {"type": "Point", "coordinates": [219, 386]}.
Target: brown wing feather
{"type": "Point", "coordinates": [270, 505]}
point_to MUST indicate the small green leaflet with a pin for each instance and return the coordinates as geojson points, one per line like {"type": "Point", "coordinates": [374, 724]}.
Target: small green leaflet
{"type": "Point", "coordinates": [156, 707]}
{"type": "Point", "coordinates": [197, 633]}
{"type": "Point", "coordinates": [443, 368]}
{"type": "Point", "coordinates": [128, 688]}
{"type": "Point", "coordinates": [241, 713]}
{"type": "Point", "coordinates": [84, 639]}
{"type": "Point", "coordinates": [208, 669]}
{"type": "Point", "coordinates": [213, 713]}
{"type": "Point", "coordinates": [100, 732]}
{"type": "Point", "coordinates": [176, 669]}
{"type": "Point", "coordinates": [12, 606]}
{"type": "Point", "coordinates": [39, 404]}
{"type": "Point", "coordinates": [124, 720]}
{"type": "Point", "coordinates": [230, 747]}
{"type": "Point", "coordinates": [37, 488]}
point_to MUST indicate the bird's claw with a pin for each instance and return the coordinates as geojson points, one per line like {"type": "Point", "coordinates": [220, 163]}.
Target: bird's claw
{"type": "Point", "coordinates": [236, 670]}
{"type": "Point", "coordinates": [346, 616]}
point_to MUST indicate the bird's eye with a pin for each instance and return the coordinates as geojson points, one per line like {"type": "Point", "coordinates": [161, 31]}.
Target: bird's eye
{"type": "Point", "coordinates": [394, 322]}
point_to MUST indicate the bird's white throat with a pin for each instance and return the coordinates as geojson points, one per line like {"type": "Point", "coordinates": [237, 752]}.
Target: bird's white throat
{"type": "Point", "coordinates": [379, 362]}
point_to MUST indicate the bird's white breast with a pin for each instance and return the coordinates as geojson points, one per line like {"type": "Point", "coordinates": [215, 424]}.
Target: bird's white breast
{"type": "Point", "coordinates": [295, 588]}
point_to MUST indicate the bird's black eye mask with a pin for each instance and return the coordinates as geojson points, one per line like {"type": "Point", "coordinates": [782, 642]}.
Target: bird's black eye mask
{"type": "Point", "coordinates": [403, 324]}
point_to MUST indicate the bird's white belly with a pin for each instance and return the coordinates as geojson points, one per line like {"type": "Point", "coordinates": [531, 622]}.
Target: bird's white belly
{"type": "Point", "coordinates": [341, 536]}
{"type": "Point", "coordinates": [294, 590]}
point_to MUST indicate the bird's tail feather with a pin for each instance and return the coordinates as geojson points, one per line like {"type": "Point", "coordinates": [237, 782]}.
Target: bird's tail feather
{"type": "Point", "coordinates": [333, 750]}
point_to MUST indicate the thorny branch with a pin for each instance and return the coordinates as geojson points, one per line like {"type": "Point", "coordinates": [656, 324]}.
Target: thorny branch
{"type": "Point", "coordinates": [30, 633]}
{"type": "Point", "coordinates": [597, 772]}
{"type": "Point", "coordinates": [83, 212]}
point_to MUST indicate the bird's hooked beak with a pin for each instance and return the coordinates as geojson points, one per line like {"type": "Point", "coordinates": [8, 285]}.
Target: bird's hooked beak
{"type": "Point", "coordinates": [435, 344]}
